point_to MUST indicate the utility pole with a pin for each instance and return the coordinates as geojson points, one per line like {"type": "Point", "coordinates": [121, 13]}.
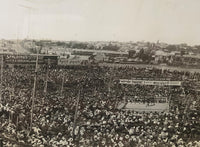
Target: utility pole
{"type": "Point", "coordinates": [34, 90]}
{"type": "Point", "coordinates": [1, 84]}
{"type": "Point", "coordinates": [47, 77]}
{"type": "Point", "coordinates": [109, 83]}
{"type": "Point", "coordinates": [63, 80]}
{"type": "Point", "coordinates": [76, 111]}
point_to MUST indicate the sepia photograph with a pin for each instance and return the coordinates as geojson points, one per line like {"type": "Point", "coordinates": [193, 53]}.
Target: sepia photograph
{"type": "Point", "coordinates": [99, 73]}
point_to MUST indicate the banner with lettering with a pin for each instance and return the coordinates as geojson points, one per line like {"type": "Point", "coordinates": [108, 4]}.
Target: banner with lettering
{"type": "Point", "coordinates": [147, 82]}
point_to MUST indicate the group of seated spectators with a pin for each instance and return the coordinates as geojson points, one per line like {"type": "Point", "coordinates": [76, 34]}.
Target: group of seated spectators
{"type": "Point", "coordinates": [79, 108]}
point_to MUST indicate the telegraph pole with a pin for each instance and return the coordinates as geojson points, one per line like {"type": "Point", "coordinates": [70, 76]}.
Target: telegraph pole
{"type": "Point", "coordinates": [63, 80]}
{"type": "Point", "coordinates": [109, 83]}
{"type": "Point", "coordinates": [1, 84]}
{"type": "Point", "coordinates": [34, 90]}
{"type": "Point", "coordinates": [47, 77]}
{"type": "Point", "coordinates": [76, 111]}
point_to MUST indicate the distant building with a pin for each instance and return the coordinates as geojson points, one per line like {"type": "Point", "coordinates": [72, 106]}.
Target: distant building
{"type": "Point", "coordinates": [92, 52]}
{"type": "Point", "coordinates": [99, 57]}
{"type": "Point", "coordinates": [74, 60]}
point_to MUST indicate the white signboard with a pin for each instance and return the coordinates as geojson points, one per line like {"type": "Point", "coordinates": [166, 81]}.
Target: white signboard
{"type": "Point", "coordinates": [146, 82]}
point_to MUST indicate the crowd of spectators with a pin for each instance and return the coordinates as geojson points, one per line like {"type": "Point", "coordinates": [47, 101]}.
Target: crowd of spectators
{"type": "Point", "coordinates": [96, 92]}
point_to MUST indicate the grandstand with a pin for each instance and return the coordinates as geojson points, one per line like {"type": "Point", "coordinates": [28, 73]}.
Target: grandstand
{"type": "Point", "coordinates": [29, 59]}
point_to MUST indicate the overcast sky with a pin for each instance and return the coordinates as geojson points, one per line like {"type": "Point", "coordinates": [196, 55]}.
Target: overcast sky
{"type": "Point", "coordinates": [171, 21]}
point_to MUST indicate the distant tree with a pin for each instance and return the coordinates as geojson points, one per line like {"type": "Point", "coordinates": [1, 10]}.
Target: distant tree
{"type": "Point", "coordinates": [90, 46]}
{"type": "Point", "coordinates": [78, 45]}
{"type": "Point", "coordinates": [60, 43]}
{"type": "Point", "coordinates": [145, 55]}
{"type": "Point", "coordinates": [171, 47]}
{"type": "Point", "coordinates": [131, 53]}
{"type": "Point", "coordinates": [182, 52]}
{"type": "Point", "coordinates": [111, 47]}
